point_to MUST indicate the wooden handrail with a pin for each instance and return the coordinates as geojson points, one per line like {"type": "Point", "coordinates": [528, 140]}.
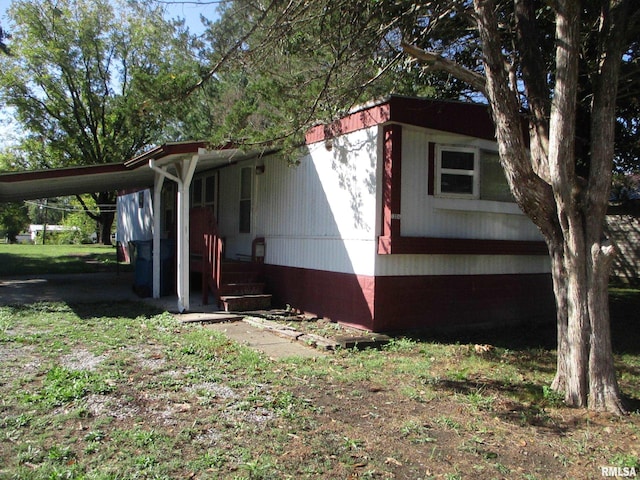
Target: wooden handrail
{"type": "Point", "coordinates": [211, 266]}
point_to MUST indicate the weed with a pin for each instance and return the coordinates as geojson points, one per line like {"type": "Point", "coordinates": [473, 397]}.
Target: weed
{"type": "Point", "coordinates": [60, 454]}
{"type": "Point", "coordinates": [212, 459]}
{"type": "Point", "coordinates": [416, 432]}
{"type": "Point", "coordinates": [479, 400]}
{"type": "Point", "coordinates": [261, 468]}
{"type": "Point", "coordinates": [552, 398]}
{"type": "Point", "coordinates": [400, 345]}
{"type": "Point", "coordinates": [449, 423]}
{"type": "Point", "coordinates": [452, 476]}
{"type": "Point", "coordinates": [31, 455]}
{"type": "Point", "coordinates": [94, 436]}
{"type": "Point", "coordinates": [62, 385]}
{"type": "Point", "coordinates": [352, 443]}
{"type": "Point", "coordinates": [625, 460]}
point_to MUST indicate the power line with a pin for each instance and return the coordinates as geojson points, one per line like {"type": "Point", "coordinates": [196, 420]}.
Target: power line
{"type": "Point", "coordinates": [100, 208]}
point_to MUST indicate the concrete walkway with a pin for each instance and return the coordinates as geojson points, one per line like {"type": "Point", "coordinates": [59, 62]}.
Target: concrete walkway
{"type": "Point", "coordinates": [110, 287]}
{"type": "Point", "coordinates": [272, 345]}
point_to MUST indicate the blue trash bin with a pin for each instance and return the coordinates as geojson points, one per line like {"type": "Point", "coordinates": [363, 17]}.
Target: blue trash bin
{"type": "Point", "coordinates": [143, 278]}
{"type": "Point", "coordinates": [167, 277]}
{"type": "Point", "coordinates": [143, 272]}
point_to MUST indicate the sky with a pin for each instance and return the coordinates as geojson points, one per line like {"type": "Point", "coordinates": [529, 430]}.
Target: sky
{"type": "Point", "coordinates": [190, 11]}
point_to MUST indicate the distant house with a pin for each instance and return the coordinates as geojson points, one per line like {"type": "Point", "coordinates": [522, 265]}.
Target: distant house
{"type": "Point", "coordinates": [396, 217]}
{"type": "Point", "coordinates": [35, 231]}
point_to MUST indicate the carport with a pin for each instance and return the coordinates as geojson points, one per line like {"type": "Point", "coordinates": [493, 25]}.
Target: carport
{"type": "Point", "coordinates": [176, 162]}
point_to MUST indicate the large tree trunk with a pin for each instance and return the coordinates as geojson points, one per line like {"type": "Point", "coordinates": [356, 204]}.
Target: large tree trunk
{"type": "Point", "coordinates": [559, 277]}
{"type": "Point", "coordinates": [569, 211]}
{"type": "Point", "coordinates": [105, 217]}
{"type": "Point", "coordinates": [104, 224]}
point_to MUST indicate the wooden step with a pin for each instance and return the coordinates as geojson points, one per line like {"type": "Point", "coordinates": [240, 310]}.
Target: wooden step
{"type": "Point", "coordinates": [239, 277]}
{"type": "Point", "coordinates": [245, 303]}
{"type": "Point", "coordinates": [244, 288]}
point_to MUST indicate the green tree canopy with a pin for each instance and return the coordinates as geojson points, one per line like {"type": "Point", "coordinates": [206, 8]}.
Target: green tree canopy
{"type": "Point", "coordinates": [92, 81]}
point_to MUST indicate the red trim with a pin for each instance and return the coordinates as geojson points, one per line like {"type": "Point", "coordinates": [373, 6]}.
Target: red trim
{"type": "Point", "coordinates": [359, 120]}
{"type": "Point", "coordinates": [431, 181]}
{"type": "Point", "coordinates": [470, 119]}
{"type": "Point", "coordinates": [11, 177]}
{"type": "Point", "coordinates": [168, 149]}
{"type": "Point", "coordinates": [391, 183]}
{"type": "Point", "coordinates": [458, 246]}
{"type": "Point", "coordinates": [465, 118]}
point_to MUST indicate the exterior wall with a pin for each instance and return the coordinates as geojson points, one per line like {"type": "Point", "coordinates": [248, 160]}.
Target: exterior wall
{"type": "Point", "coordinates": [624, 233]}
{"type": "Point", "coordinates": [414, 302]}
{"type": "Point", "coordinates": [425, 215]}
{"type": "Point", "coordinates": [355, 233]}
{"type": "Point", "coordinates": [421, 303]}
{"type": "Point", "coordinates": [321, 220]}
{"type": "Point", "coordinates": [135, 221]}
{"type": "Point", "coordinates": [322, 213]}
{"type": "Point", "coordinates": [342, 297]}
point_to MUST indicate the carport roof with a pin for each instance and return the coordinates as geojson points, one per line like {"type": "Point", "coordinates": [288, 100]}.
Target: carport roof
{"type": "Point", "coordinates": [133, 173]}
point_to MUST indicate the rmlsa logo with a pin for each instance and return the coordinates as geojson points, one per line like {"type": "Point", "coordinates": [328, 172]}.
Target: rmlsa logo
{"type": "Point", "coordinates": [618, 471]}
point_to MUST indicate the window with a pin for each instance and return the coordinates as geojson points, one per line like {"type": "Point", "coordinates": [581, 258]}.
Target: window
{"type": "Point", "coordinates": [245, 199]}
{"type": "Point", "coordinates": [493, 183]}
{"type": "Point", "coordinates": [467, 172]}
{"type": "Point", "coordinates": [457, 172]}
{"type": "Point", "coordinates": [196, 192]}
{"type": "Point", "coordinates": [210, 190]}
{"type": "Point", "coordinates": [203, 190]}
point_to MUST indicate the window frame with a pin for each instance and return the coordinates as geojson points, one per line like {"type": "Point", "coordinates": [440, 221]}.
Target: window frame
{"type": "Point", "coordinates": [474, 173]}
{"type": "Point", "coordinates": [245, 197]}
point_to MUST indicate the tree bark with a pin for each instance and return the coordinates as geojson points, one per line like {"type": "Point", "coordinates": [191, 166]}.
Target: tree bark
{"type": "Point", "coordinates": [569, 211]}
{"type": "Point", "coordinates": [559, 277]}
{"type": "Point", "coordinates": [604, 393]}
{"type": "Point", "coordinates": [104, 218]}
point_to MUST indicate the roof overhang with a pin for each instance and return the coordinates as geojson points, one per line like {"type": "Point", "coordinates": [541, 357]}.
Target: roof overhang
{"type": "Point", "coordinates": [132, 174]}
{"type": "Point", "coordinates": [60, 182]}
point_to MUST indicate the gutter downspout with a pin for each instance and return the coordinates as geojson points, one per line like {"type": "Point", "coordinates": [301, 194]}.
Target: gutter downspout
{"type": "Point", "coordinates": [185, 171]}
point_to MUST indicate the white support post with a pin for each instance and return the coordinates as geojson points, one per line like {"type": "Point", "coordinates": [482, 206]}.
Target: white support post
{"type": "Point", "coordinates": [185, 170]}
{"type": "Point", "coordinates": [157, 205]}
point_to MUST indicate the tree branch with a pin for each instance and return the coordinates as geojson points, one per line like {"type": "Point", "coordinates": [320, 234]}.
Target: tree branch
{"type": "Point", "coordinates": [436, 61]}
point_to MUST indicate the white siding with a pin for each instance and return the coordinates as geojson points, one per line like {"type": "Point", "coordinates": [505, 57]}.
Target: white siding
{"type": "Point", "coordinates": [324, 213]}
{"type": "Point", "coordinates": [321, 214]}
{"type": "Point", "coordinates": [389, 265]}
{"type": "Point", "coordinates": [428, 216]}
{"type": "Point", "coordinates": [134, 223]}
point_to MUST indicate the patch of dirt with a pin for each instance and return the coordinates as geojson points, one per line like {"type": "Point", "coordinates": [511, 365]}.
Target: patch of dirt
{"type": "Point", "coordinates": [82, 360]}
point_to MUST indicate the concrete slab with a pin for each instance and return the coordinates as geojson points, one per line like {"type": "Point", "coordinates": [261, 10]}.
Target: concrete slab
{"type": "Point", "coordinates": [208, 317]}
{"type": "Point", "coordinates": [269, 343]}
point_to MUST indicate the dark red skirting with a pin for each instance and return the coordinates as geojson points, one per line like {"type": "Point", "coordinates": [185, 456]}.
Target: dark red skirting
{"type": "Point", "coordinates": [413, 303]}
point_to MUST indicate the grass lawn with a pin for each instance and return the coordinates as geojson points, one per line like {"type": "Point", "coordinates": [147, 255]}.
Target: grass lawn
{"type": "Point", "coordinates": [25, 259]}
{"type": "Point", "coordinates": [121, 391]}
